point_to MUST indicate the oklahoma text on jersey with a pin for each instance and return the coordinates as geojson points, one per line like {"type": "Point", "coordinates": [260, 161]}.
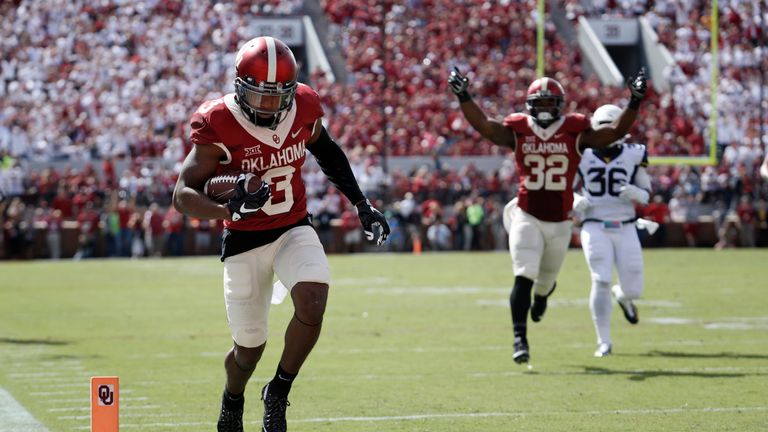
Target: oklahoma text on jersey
{"type": "Point", "coordinates": [274, 155]}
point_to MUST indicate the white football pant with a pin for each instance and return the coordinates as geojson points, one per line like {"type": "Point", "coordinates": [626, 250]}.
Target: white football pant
{"type": "Point", "coordinates": [297, 256]}
{"type": "Point", "coordinates": [602, 248]}
{"type": "Point", "coordinates": [537, 248]}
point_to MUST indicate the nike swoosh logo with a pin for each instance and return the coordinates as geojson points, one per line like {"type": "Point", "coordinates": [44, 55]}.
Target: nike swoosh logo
{"type": "Point", "coordinates": [295, 134]}
{"type": "Point", "coordinates": [244, 209]}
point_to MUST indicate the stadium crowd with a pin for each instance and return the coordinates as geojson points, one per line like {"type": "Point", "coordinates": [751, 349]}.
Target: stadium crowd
{"type": "Point", "coordinates": [114, 92]}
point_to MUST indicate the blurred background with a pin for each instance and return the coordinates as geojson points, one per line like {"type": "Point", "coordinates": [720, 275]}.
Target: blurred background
{"type": "Point", "coordinates": [95, 99]}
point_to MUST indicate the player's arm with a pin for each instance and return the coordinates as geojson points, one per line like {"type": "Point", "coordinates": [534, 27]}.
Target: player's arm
{"type": "Point", "coordinates": [580, 201]}
{"type": "Point", "coordinates": [487, 127]}
{"type": "Point", "coordinates": [639, 190]}
{"type": "Point", "coordinates": [188, 197]}
{"type": "Point", "coordinates": [605, 136]}
{"type": "Point", "coordinates": [335, 165]}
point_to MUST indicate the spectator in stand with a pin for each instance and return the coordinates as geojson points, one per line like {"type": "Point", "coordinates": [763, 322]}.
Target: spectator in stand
{"type": "Point", "coordinates": [53, 222]}
{"type": "Point", "coordinates": [125, 211]}
{"type": "Point", "coordinates": [135, 224]}
{"type": "Point", "coordinates": [154, 234]}
{"type": "Point", "coordinates": [352, 237]}
{"type": "Point", "coordinates": [761, 222]}
{"type": "Point", "coordinates": [475, 219]}
{"type": "Point", "coordinates": [88, 219]}
{"type": "Point", "coordinates": [173, 226]}
{"type": "Point", "coordinates": [746, 214]}
{"type": "Point", "coordinates": [202, 230]}
{"type": "Point", "coordinates": [439, 235]}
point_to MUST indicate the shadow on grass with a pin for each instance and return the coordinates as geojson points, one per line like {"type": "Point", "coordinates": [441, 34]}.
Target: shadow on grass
{"type": "Point", "coordinates": [15, 341]}
{"type": "Point", "coordinates": [721, 355]}
{"type": "Point", "coordinates": [643, 374]}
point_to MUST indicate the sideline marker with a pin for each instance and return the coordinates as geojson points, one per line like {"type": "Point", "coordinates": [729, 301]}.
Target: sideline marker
{"type": "Point", "coordinates": [105, 404]}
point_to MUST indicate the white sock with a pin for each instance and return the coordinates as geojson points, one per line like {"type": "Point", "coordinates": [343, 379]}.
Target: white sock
{"type": "Point", "coordinates": [601, 306]}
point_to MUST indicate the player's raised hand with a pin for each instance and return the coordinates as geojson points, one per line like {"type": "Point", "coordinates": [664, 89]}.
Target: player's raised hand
{"type": "Point", "coordinates": [638, 85]}
{"type": "Point", "coordinates": [373, 222]}
{"type": "Point", "coordinates": [459, 84]}
{"type": "Point", "coordinates": [243, 203]}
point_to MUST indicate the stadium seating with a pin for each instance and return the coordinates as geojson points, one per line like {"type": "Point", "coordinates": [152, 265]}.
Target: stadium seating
{"type": "Point", "coordinates": [113, 102]}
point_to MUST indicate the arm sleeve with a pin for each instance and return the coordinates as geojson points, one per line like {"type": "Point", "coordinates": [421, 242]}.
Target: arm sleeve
{"type": "Point", "coordinates": [335, 165]}
{"type": "Point", "coordinates": [642, 180]}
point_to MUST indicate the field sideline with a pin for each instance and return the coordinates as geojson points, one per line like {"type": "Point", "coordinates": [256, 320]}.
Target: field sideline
{"type": "Point", "coordinates": [410, 343]}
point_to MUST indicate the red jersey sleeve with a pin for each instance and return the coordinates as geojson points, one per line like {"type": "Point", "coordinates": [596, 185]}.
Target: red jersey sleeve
{"type": "Point", "coordinates": [308, 104]}
{"type": "Point", "coordinates": [576, 123]}
{"type": "Point", "coordinates": [518, 122]}
{"type": "Point", "coordinates": [202, 132]}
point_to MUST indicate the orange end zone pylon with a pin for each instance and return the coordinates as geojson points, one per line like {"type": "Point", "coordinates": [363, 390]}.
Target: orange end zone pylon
{"type": "Point", "coordinates": [105, 404]}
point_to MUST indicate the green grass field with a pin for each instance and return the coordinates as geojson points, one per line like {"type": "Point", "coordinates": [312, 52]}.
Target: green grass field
{"type": "Point", "coordinates": [410, 343]}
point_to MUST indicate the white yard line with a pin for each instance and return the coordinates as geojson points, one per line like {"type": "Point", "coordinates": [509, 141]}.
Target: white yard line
{"type": "Point", "coordinates": [438, 416]}
{"type": "Point", "coordinates": [14, 417]}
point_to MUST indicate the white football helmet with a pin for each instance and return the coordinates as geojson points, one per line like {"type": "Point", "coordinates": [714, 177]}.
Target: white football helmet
{"type": "Point", "coordinates": [606, 115]}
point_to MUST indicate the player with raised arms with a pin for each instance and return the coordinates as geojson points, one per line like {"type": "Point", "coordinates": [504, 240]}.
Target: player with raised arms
{"type": "Point", "coordinates": [263, 129]}
{"type": "Point", "coordinates": [547, 145]}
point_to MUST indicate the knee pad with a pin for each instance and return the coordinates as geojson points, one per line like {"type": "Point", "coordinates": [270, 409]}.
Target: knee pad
{"type": "Point", "coordinates": [250, 337]}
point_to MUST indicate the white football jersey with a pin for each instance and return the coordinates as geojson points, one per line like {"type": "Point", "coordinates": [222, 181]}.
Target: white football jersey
{"type": "Point", "coordinates": [602, 179]}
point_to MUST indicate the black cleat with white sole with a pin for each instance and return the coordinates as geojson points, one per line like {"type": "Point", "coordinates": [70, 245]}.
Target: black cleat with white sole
{"type": "Point", "coordinates": [521, 354]}
{"type": "Point", "coordinates": [626, 304]}
{"type": "Point", "coordinates": [274, 411]}
{"type": "Point", "coordinates": [230, 419]}
{"type": "Point", "coordinates": [539, 305]}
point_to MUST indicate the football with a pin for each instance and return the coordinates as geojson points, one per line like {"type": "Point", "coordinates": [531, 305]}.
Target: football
{"type": "Point", "coordinates": [222, 187]}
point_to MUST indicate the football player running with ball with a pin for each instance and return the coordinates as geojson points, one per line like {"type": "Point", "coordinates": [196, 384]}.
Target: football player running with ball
{"type": "Point", "coordinates": [264, 128]}
{"type": "Point", "coordinates": [547, 146]}
{"type": "Point", "coordinates": [614, 179]}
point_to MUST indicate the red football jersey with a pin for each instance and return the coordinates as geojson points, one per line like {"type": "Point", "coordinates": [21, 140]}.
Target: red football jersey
{"type": "Point", "coordinates": [546, 160]}
{"type": "Point", "coordinates": [276, 156]}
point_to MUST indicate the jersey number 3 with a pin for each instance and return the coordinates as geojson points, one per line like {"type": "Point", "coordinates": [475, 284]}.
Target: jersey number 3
{"type": "Point", "coordinates": [546, 173]}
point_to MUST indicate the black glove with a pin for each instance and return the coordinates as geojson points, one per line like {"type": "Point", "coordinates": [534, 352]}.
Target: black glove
{"type": "Point", "coordinates": [637, 86]}
{"type": "Point", "coordinates": [372, 220]}
{"type": "Point", "coordinates": [459, 85]}
{"type": "Point", "coordinates": [244, 204]}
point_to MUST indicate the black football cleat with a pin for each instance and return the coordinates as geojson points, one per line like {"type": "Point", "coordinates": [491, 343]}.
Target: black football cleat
{"type": "Point", "coordinates": [539, 305]}
{"type": "Point", "coordinates": [626, 304]}
{"type": "Point", "coordinates": [521, 354]}
{"type": "Point", "coordinates": [274, 412]}
{"type": "Point", "coordinates": [230, 420]}
{"type": "Point", "coordinates": [630, 311]}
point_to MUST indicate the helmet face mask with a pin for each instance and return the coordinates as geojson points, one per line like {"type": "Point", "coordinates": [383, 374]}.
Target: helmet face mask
{"type": "Point", "coordinates": [265, 84]}
{"type": "Point", "coordinates": [545, 100]}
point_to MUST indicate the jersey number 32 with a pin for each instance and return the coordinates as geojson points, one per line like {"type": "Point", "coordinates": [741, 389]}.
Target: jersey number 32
{"type": "Point", "coordinates": [546, 173]}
